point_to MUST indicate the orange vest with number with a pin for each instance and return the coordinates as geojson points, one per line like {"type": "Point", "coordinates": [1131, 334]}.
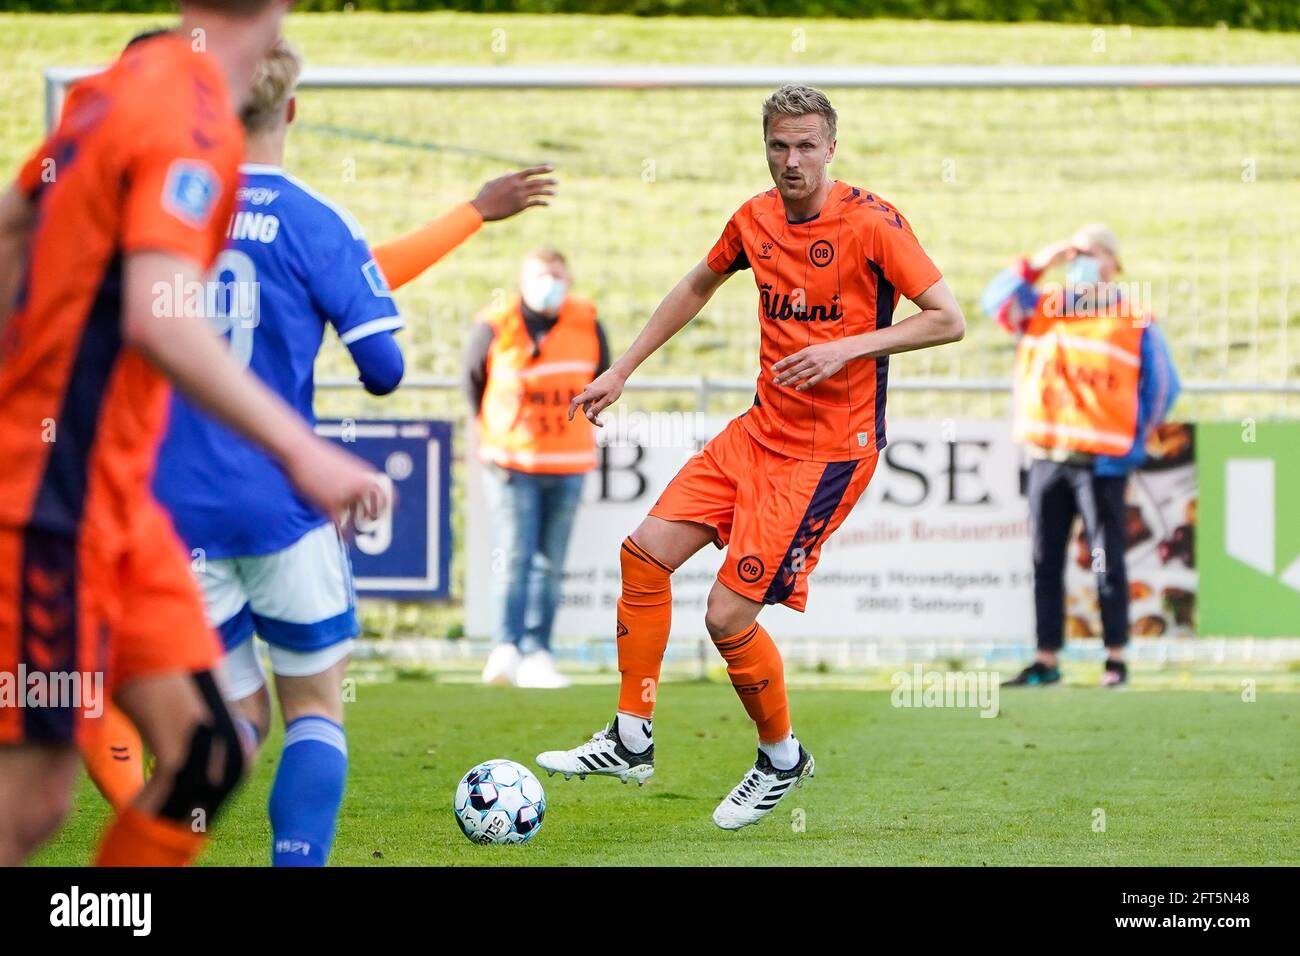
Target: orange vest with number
{"type": "Point", "coordinates": [1077, 378]}
{"type": "Point", "coordinates": [524, 420]}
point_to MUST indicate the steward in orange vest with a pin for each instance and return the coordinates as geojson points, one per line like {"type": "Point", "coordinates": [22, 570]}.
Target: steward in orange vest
{"type": "Point", "coordinates": [1076, 378]}
{"type": "Point", "coordinates": [528, 356]}
{"type": "Point", "coordinates": [529, 372]}
{"type": "Point", "coordinates": [1093, 376]}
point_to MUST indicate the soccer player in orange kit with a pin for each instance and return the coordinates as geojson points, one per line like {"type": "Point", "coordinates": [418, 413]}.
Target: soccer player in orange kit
{"type": "Point", "coordinates": [830, 261]}
{"type": "Point", "coordinates": [218, 487]}
{"type": "Point", "coordinates": [125, 204]}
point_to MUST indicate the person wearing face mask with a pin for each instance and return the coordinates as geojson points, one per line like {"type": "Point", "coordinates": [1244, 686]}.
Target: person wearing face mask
{"type": "Point", "coordinates": [1093, 377]}
{"type": "Point", "coordinates": [527, 357]}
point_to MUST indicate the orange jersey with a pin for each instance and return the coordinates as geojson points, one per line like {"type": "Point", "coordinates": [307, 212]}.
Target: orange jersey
{"type": "Point", "coordinates": [145, 158]}
{"type": "Point", "coordinates": [835, 275]}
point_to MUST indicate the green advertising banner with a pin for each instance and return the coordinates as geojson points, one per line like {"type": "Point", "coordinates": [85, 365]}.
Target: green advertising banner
{"type": "Point", "coordinates": [1248, 547]}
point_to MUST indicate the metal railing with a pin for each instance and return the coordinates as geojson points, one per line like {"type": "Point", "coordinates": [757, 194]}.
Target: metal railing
{"type": "Point", "coordinates": [704, 386]}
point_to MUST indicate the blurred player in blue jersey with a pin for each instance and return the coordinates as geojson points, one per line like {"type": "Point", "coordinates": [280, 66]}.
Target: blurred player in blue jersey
{"type": "Point", "coordinates": [269, 563]}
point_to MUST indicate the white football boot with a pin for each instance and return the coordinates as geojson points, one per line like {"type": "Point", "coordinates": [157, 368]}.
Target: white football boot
{"type": "Point", "coordinates": [604, 756]}
{"type": "Point", "coordinates": [501, 665]}
{"type": "Point", "coordinates": [761, 789]}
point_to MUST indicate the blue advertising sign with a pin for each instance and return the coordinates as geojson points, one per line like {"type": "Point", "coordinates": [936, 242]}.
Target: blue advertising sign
{"type": "Point", "coordinates": [406, 553]}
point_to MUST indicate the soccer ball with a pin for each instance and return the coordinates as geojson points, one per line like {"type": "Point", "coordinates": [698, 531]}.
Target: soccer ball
{"type": "Point", "coordinates": [500, 801]}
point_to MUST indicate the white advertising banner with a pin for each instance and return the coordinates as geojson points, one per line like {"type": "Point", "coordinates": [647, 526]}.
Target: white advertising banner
{"type": "Point", "coordinates": [937, 547]}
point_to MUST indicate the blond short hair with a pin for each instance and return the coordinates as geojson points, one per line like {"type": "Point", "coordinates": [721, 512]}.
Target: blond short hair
{"type": "Point", "coordinates": [273, 86]}
{"type": "Point", "coordinates": [793, 100]}
{"type": "Point", "coordinates": [547, 256]}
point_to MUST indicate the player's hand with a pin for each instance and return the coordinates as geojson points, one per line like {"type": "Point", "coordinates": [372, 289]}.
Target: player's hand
{"type": "Point", "coordinates": [599, 395]}
{"type": "Point", "coordinates": [338, 483]}
{"type": "Point", "coordinates": [810, 365]}
{"type": "Point", "coordinates": [505, 196]}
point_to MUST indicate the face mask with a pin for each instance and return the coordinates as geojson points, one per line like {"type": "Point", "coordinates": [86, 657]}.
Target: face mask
{"type": "Point", "coordinates": [544, 293]}
{"type": "Point", "coordinates": [1083, 270]}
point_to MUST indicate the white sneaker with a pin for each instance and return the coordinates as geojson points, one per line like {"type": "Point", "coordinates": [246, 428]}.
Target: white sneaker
{"type": "Point", "coordinates": [602, 755]}
{"type": "Point", "coordinates": [538, 670]}
{"type": "Point", "coordinates": [761, 790]}
{"type": "Point", "coordinates": [502, 664]}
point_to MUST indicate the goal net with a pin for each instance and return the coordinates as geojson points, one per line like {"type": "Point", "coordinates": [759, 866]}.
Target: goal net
{"type": "Point", "coordinates": [1196, 168]}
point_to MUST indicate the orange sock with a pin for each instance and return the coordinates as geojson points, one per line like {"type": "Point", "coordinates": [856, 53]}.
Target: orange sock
{"type": "Point", "coordinates": [755, 668]}
{"type": "Point", "coordinates": [136, 838]}
{"type": "Point", "coordinates": [645, 614]}
{"type": "Point", "coordinates": [114, 757]}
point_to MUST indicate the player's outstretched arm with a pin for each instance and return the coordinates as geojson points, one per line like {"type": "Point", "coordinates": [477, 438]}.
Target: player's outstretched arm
{"type": "Point", "coordinates": [679, 306]}
{"type": "Point", "coordinates": [939, 322]}
{"type": "Point", "coordinates": [188, 352]}
{"type": "Point", "coordinates": [16, 215]}
{"type": "Point", "coordinates": [406, 257]}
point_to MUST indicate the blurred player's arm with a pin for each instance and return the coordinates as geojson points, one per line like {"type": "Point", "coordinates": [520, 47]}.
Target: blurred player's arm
{"type": "Point", "coordinates": [404, 258]}
{"type": "Point", "coordinates": [679, 306]}
{"type": "Point", "coordinates": [1011, 296]}
{"type": "Point", "coordinates": [379, 362]}
{"type": "Point", "coordinates": [199, 363]}
{"type": "Point", "coordinates": [939, 322]}
{"type": "Point", "coordinates": [17, 212]}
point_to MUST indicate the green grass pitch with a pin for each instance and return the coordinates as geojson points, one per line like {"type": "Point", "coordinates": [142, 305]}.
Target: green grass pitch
{"type": "Point", "coordinates": [1182, 777]}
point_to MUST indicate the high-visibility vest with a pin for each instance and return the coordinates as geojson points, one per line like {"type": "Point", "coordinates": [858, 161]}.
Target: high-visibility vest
{"type": "Point", "coordinates": [1077, 378]}
{"type": "Point", "coordinates": [524, 419]}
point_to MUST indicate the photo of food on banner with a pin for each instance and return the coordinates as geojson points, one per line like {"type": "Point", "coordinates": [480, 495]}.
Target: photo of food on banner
{"type": "Point", "coordinates": [1160, 541]}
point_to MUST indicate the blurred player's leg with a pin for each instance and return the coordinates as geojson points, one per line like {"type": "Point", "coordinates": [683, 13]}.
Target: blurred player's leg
{"type": "Point", "coordinates": [114, 757]}
{"type": "Point", "coordinates": [199, 761]}
{"type": "Point", "coordinates": [36, 783]}
{"type": "Point", "coordinates": [243, 683]}
{"type": "Point", "coordinates": [313, 771]}
{"type": "Point", "coordinates": [164, 661]}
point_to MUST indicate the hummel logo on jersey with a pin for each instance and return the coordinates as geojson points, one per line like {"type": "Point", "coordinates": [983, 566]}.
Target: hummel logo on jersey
{"type": "Point", "coordinates": [781, 306]}
{"type": "Point", "coordinates": [767, 250]}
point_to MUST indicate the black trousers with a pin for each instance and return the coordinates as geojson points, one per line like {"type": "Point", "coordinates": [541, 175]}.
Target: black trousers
{"type": "Point", "coordinates": [1057, 493]}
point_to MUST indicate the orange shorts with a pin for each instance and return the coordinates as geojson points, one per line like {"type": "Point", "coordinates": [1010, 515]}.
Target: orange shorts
{"type": "Point", "coordinates": [771, 512]}
{"type": "Point", "coordinates": [82, 620]}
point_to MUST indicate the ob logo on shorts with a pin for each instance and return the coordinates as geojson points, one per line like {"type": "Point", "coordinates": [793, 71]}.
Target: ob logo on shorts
{"type": "Point", "coordinates": [750, 568]}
